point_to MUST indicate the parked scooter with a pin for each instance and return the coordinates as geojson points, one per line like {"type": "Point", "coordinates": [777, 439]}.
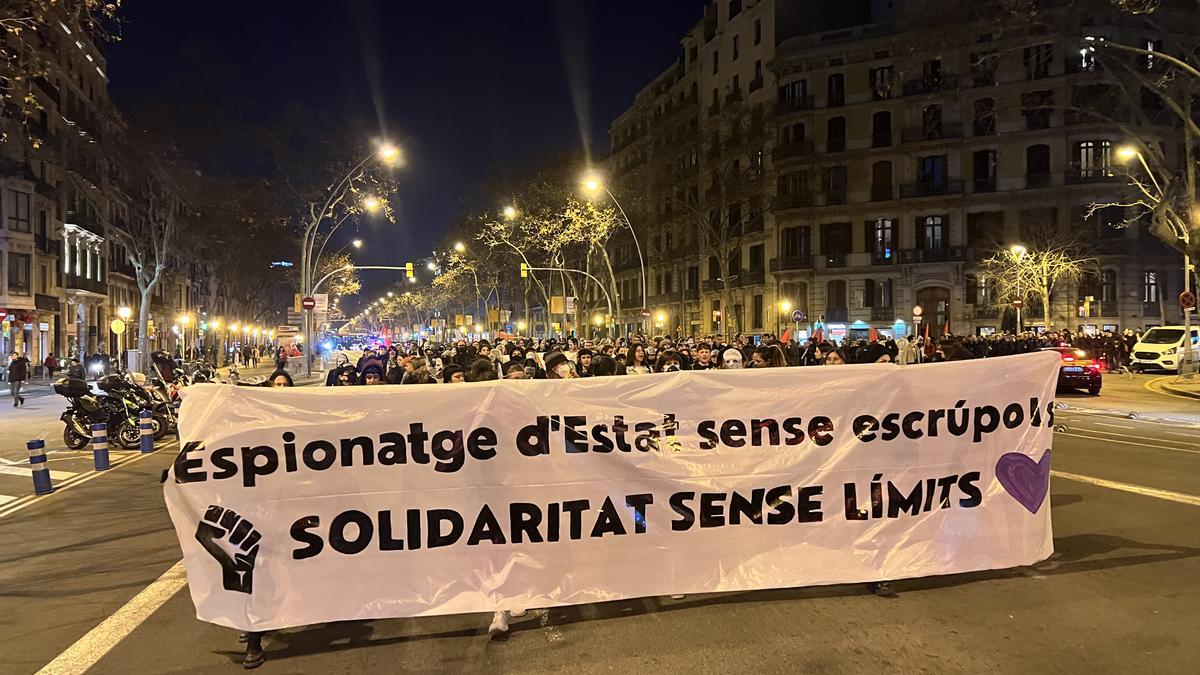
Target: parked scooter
{"type": "Point", "coordinates": [86, 409]}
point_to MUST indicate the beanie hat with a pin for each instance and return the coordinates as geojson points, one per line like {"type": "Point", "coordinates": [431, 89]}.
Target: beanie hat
{"type": "Point", "coordinates": [553, 359]}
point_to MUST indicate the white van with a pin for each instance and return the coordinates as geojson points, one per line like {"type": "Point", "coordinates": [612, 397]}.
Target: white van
{"type": "Point", "coordinates": [1160, 347]}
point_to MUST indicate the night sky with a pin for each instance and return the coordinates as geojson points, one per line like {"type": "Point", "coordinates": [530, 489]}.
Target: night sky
{"type": "Point", "coordinates": [476, 89]}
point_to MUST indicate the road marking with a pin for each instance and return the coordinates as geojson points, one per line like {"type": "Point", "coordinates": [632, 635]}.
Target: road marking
{"type": "Point", "coordinates": [1113, 440]}
{"type": "Point", "coordinates": [1149, 386]}
{"type": "Point", "coordinates": [4, 499]}
{"type": "Point", "coordinates": [90, 648]}
{"type": "Point", "coordinates": [1119, 426]}
{"type": "Point", "coordinates": [28, 472]}
{"type": "Point", "coordinates": [29, 500]}
{"type": "Point", "coordinates": [1190, 500]}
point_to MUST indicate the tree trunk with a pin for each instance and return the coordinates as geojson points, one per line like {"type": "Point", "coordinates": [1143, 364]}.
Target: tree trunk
{"type": "Point", "coordinates": [612, 287]}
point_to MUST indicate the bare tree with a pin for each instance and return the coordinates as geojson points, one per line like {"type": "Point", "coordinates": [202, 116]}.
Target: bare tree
{"type": "Point", "coordinates": [1033, 273]}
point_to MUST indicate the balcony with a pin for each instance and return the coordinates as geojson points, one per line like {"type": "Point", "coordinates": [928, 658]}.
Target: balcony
{"type": "Point", "coordinates": [46, 303]}
{"type": "Point", "coordinates": [883, 313]}
{"type": "Point", "coordinates": [1037, 180]}
{"type": "Point", "coordinates": [835, 197]}
{"type": "Point", "coordinates": [791, 263]}
{"type": "Point", "coordinates": [884, 257]}
{"type": "Point", "coordinates": [1037, 119]}
{"type": "Point", "coordinates": [710, 285]}
{"type": "Point", "coordinates": [77, 282]}
{"type": "Point", "coordinates": [756, 84]}
{"type": "Point", "coordinates": [837, 314]}
{"type": "Point", "coordinates": [798, 200]}
{"type": "Point", "coordinates": [789, 150]}
{"type": "Point", "coordinates": [1091, 174]}
{"type": "Point", "coordinates": [749, 278]}
{"type": "Point", "coordinates": [984, 184]}
{"type": "Point", "coordinates": [835, 260]}
{"type": "Point", "coordinates": [714, 109]}
{"type": "Point", "coordinates": [754, 225]}
{"type": "Point", "coordinates": [121, 266]}
{"type": "Point", "coordinates": [691, 294]}
{"type": "Point", "coordinates": [733, 97]}
{"type": "Point", "coordinates": [881, 139]}
{"type": "Point", "coordinates": [47, 245]}
{"type": "Point", "coordinates": [933, 255]}
{"type": "Point", "coordinates": [882, 193]}
{"type": "Point", "coordinates": [985, 312]}
{"type": "Point", "coordinates": [47, 88]}
{"type": "Point", "coordinates": [930, 85]}
{"type": "Point", "coordinates": [835, 145]}
{"type": "Point", "coordinates": [795, 104]}
{"type": "Point", "coordinates": [931, 188]}
{"type": "Point", "coordinates": [946, 130]}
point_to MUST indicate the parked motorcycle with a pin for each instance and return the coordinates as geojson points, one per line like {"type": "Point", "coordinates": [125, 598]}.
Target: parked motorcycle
{"type": "Point", "coordinates": [86, 409]}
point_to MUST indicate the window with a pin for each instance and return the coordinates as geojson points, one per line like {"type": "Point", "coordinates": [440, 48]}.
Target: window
{"type": "Point", "coordinates": [1037, 61]}
{"type": "Point", "coordinates": [716, 97]}
{"type": "Point", "coordinates": [985, 229]}
{"type": "Point", "coordinates": [714, 269]}
{"type": "Point", "coordinates": [795, 95]}
{"type": "Point", "coordinates": [18, 273]}
{"type": "Point", "coordinates": [44, 285]}
{"type": "Point", "coordinates": [757, 82]}
{"type": "Point", "coordinates": [735, 8]}
{"type": "Point", "coordinates": [883, 240]}
{"type": "Point", "coordinates": [931, 74]}
{"type": "Point", "coordinates": [1037, 166]}
{"type": "Point", "coordinates": [835, 243]}
{"type": "Point", "coordinates": [881, 181]}
{"type": "Point", "coordinates": [1087, 53]}
{"type": "Point", "coordinates": [1036, 107]}
{"type": "Point", "coordinates": [757, 31]}
{"type": "Point", "coordinates": [976, 289]}
{"type": "Point", "coordinates": [881, 129]}
{"type": "Point", "coordinates": [983, 163]}
{"type": "Point", "coordinates": [736, 48]}
{"type": "Point", "coordinates": [1108, 287]}
{"type": "Point", "coordinates": [757, 312]}
{"type": "Point", "coordinates": [836, 90]}
{"type": "Point", "coordinates": [1093, 158]}
{"type": "Point", "coordinates": [983, 69]}
{"type": "Point", "coordinates": [1111, 220]}
{"type": "Point", "coordinates": [757, 257]}
{"type": "Point", "coordinates": [881, 83]}
{"type": "Point", "coordinates": [835, 295]}
{"type": "Point", "coordinates": [835, 134]}
{"type": "Point", "coordinates": [931, 233]}
{"type": "Point", "coordinates": [716, 61]}
{"type": "Point", "coordinates": [834, 180]}
{"type": "Point", "coordinates": [693, 277]}
{"type": "Point", "coordinates": [792, 134]}
{"type": "Point", "coordinates": [931, 173]}
{"type": "Point", "coordinates": [1149, 287]}
{"type": "Point", "coordinates": [735, 87]}
{"type": "Point", "coordinates": [18, 211]}
{"type": "Point", "coordinates": [985, 117]}
{"type": "Point", "coordinates": [931, 122]}
{"type": "Point", "coordinates": [796, 242]}
{"type": "Point", "coordinates": [716, 314]}
{"type": "Point", "coordinates": [878, 293]}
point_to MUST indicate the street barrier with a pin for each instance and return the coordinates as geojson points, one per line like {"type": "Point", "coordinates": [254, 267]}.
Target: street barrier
{"type": "Point", "coordinates": [145, 423]}
{"type": "Point", "coordinates": [100, 446]}
{"type": "Point", "coordinates": [41, 472]}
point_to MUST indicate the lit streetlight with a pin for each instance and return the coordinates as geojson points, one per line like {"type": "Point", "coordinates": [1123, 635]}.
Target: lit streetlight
{"type": "Point", "coordinates": [371, 204]}
{"type": "Point", "coordinates": [459, 246]}
{"type": "Point", "coordinates": [124, 313]}
{"type": "Point", "coordinates": [357, 243]}
{"type": "Point", "coordinates": [510, 212]}
{"type": "Point", "coordinates": [594, 186]}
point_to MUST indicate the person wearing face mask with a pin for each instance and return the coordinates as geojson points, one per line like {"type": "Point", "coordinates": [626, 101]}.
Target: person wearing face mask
{"type": "Point", "coordinates": [731, 359]}
{"type": "Point", "coordinates": [559, 367]}
{"type": "Point", "coordinates": [669, 361]}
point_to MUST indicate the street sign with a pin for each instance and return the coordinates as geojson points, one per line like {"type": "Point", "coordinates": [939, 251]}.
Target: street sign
{"type": "Point", "coordinates": [917, 310]}
{"type": "Point", "coordinates": [117, 326]}
{"type": "Point", "coordinates": [1187, 299]}
{"type": "Point", "coordinates": [308, 302]}
{"type": "Point", "coordinates": [321, 309]}
{"type": "Point", "coordinates": [645, 312]}
{"type": "Point", "coordinates": [3, 313]}
{"type": "Point", "coordinates": [1018, 304]}
{"type": "Point", "coordinates": [798, 316]}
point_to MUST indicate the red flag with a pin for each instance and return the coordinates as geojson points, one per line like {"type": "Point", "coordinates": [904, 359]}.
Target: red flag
{"type": "Point", "coordinates": [872, 335]}
{"type": "Point", "coordinates": [929, 348]}
{"type": "Point", "coordinates": [946, 328]}
{"type": "Point", "coordinates": [819, 335]}
{"type": "Point", "coordinates": [787, 335]}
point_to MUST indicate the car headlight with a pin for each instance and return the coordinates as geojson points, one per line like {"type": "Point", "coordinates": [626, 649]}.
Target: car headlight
{"type": "Point", "coordinates": [1170, 351]}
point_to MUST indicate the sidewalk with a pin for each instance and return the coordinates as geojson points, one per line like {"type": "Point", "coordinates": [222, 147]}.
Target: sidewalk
{"type": "Point", "coordinates": [1189, 388]}
{"type": "Point", "coordinates": [260, 373]}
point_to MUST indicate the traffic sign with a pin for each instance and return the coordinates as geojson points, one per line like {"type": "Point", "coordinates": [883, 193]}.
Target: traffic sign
{"type": "Point", "coordinates": [645, 312]}
{"type": "Point", "coordinates": [308, 302]}
{"type": "Point", "coordinates": [798, 316]}
{"type": "Point", "coordinates": [917, 310]}
{"type": "Point", "coordinates": [117, 326]}
{"type": "Point", "coordinates": [3, 313]}
{"type": "Point", "coordinates": [1187, 299]}
{"type": "Point", "coordinates": [1018, 304]}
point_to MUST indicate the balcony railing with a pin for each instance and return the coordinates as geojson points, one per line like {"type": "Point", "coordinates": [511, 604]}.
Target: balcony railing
{"type": "Point", "coordinates": [883, 313]}
{"type": "Point", "coordinates": [710, 285]}
{"type": "Point", "coordinates": [884, 257]}
{"type": "Point", "coordinates": [754, 225]}
{"type": "Point", "coordinates": [835, 145]}
{"type": "Point", "coordinates": [794, 201]}
{"type": "Point", "coordinates": [838, 314]}
{"type": "Point", "coordinates": [789, 150]}
{"type": "Point", "coordinates": [984, 184]}
{"type": "Point", "coordinates": [81, 283]}
{"type": "Point", "coordinates": [882, 139]}
{"type": "Point", "coordinates": [691, 294]}
{"type": "Point", "coordinates": [930, 188]}
{"type": "Point", "coordinates": [836, 260]}
{"type": "Point", "coordinates": [882, 193]}
{"type": "Point", "coordinates": [930, 85]}
{"type": "Point", "coordinates": [47, 245]}
{"type": "Point", "coordinates": [930, 255]}
{"type": "Point", "coordinates": [756, 84]}
{"type": "Point", "coordinates": [795, 104]}
{"type": "Point", "coordinates": [790, 263]}
{"type": "Point", "coordinates": [985, 312]}
{"type": "Point", "coordinates": [1037, 180]}
{"type": "Point", "coordinates": [121, 266]}
{"type": "Point", "coordinates": [932, 133]}
{"type": "Point", "coordinates": [749, 278]}
{"type": "Point", "coordinates": [835, 197]}
{"type": "Point", "coordinates": [1091, 174]}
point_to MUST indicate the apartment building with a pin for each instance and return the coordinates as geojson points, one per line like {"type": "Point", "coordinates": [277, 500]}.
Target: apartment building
{"type": "Point", "coordinates": [898, 157]}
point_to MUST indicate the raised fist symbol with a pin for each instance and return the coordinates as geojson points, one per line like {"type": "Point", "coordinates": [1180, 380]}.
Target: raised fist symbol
{"type": "Point", "coordinates": [237, 570]}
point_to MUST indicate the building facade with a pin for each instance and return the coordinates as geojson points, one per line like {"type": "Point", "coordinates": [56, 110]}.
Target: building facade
{"type": "Point", "coordinates": [897, 156]}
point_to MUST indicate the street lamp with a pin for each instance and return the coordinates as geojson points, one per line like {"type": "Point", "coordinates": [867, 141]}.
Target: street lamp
{"type": "Point", "coordinates": [357, 243]}
{"type": "Point", "coordinates": [371, 204]}
{"type": "Point", "coordinates": [459, 246]}
{"type": "Point", "coordinates": [784, 307]}
{"type": "Point", "coordinates": [1018, 251]}
{"type": "Point", "coordinates": [593, 185]}
{"type": "Point", "coordinates": [510, 212]}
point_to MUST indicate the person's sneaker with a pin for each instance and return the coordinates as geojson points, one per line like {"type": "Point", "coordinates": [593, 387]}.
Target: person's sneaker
{"type": "Point", "coordinates": [882, 589]}
{"type": "Point", "coordinates": [499, 626]}
{"type": "Point", "coordinates": [517, 613]}
{"type": "Point", "coordinates": [678, 597]}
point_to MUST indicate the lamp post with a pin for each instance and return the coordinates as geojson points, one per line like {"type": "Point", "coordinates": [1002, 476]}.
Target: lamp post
{"type": "Point", "coordinates": [1018, 251]}
{"type": "Point", "coordinates": [183, 322]}
{"type": "Point", "coordinates": [784, 307]}
{"type": "Point", "coordinates": [594, 185]}
{"type": "Point", "coordinates": [389, 155]}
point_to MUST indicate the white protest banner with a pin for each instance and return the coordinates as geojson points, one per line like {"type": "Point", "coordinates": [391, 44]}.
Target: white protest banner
{"type": "Point", "coordinates": [302, 506]}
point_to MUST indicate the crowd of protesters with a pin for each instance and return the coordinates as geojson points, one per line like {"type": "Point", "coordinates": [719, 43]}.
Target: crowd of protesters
{"type": "Point", "coordinates": [522, 358]}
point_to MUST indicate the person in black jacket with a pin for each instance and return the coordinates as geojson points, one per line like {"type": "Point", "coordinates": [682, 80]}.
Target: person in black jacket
{"type": "Point", "coordinates": [18, 372]}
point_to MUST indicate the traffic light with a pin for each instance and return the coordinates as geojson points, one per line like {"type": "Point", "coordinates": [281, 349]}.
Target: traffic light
{"type": "Point", "coordinates": [408, 270]}
{"type": "Point", "coordinates": [524, 271]}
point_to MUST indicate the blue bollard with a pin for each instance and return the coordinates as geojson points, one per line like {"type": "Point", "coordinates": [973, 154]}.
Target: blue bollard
{"type": "Point", "coordinates": [100, 446]}
{"type": "Point", "coordinates": [41, 471]}
{"type": "Point", "coordinates": [147, 428]}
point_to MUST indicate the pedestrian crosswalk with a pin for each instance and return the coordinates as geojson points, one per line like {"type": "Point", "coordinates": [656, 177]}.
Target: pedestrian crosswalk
{"type": "Point", "coordinates": [55, 474]}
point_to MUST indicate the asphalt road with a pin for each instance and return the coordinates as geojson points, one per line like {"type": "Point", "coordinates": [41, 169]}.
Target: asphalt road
{"type": "Point", "coordinates": [1119, 594]}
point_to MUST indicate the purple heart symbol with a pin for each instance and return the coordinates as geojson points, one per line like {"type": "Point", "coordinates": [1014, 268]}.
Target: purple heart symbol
{"type": "Point", "coordinates": [1025, 480]}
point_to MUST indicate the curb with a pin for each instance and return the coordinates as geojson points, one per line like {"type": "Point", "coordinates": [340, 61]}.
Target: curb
{"type": "Point", "coordinates": [1179, 391]}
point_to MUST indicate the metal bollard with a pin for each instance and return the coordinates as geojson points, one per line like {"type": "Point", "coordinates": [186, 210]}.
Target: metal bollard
{"type": "Point", "coordinates": [147, 428]}
{"type": "Point", "coordinates": [41, 472]}
{"type": "Point", "coordinates": [100, 446]}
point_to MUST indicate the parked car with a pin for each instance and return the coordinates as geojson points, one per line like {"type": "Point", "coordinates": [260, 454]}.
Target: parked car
{"type": "Point", "coordinates": [1161, 348]}
{"type": "Point", "coordinates": [1078, 370]}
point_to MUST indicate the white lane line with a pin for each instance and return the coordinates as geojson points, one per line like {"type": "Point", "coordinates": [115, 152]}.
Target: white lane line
{"type": "Point", "coordinates": [28, 472]}
{"type": "Point", "coordinates": [4, 499]}
{"type": "Point", "coordinates": [90, 648]}
{"type": "Point", "coordinates": [10, 509]}
{"type": "Point", "coordinates": [1190, 500]}
{"type": "Point", "coordinates": [1119, 426]}
{"type": "Point", "coordinates": [1193, 436]}
{"type": "Point", "coordinates": [1114, 440]}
